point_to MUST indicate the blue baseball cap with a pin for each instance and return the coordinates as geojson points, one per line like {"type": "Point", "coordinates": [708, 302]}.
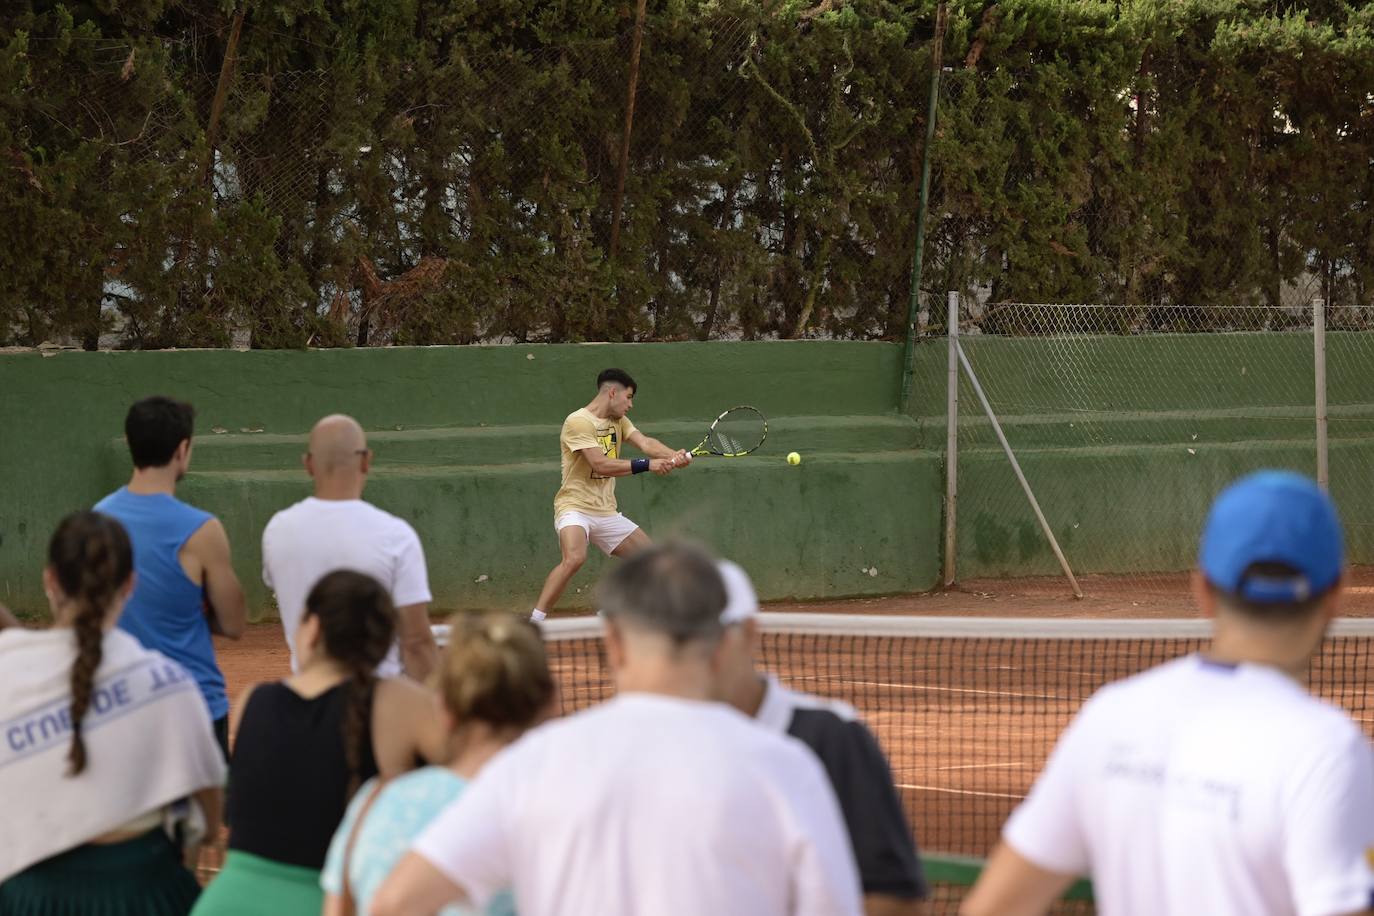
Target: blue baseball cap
{"type": "Point", "coordinates": [1272, 517]}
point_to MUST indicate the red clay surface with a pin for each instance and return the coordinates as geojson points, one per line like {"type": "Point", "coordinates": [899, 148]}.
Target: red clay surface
{"type": "Point", "coordinates": [966, 723]}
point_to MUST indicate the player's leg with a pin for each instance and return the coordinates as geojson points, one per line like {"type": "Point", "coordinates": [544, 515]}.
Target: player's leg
{"type": "Point", "coordinates": [572, 542]}
{"type": "Point", "coordinates": [632, 544]}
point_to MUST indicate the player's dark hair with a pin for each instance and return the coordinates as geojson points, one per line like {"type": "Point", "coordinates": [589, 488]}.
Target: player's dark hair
{"type": "Point", "coordinates": [155, 427]}
{"type": "Point", "coordinates": [357, 627]}
{"type": "Point", "coordinates": [616, 377]}
{"type": "Point", "coordinates": [1271, 611]}
{"type": "Point", "coordinates": [91, 558]}
{"type": "Point", "coordinates": [672, 589]}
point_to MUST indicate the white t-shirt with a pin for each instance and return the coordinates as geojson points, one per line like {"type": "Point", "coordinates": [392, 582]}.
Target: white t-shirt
{"type": "Point", "coordinates": [1198, 787]}
{"type": "Point", "coordinates": [304, 543]}
{"type": "Point", "coordinates": [650, 804]}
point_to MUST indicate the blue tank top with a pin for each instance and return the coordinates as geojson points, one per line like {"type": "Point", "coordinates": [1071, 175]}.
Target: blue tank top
{"type": "Point", "coordinates": [167, 610]}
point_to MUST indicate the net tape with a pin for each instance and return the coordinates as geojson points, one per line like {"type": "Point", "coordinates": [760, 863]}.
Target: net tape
{"type": "Point", "coordinates": [894, 626]}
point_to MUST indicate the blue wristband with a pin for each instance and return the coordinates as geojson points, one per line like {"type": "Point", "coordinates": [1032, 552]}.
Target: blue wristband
{"type": "Point", "coordinates": [639, 465]}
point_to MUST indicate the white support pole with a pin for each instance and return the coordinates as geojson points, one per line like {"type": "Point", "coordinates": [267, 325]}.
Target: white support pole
{"type": "Point", "coordinates": [1016, 466]}
{"type": "Point", "coordinates": [952, 438]}
{"type": "Point", "coordinates": [1319, 364]}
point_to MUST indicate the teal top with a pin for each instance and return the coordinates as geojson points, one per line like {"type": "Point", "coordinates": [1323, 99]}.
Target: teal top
{"type": "Point", "coordinates": [404, 808]}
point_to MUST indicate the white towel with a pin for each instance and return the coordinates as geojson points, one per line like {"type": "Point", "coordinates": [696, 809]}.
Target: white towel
{"type": "Point", "coordinates": [149, 742]}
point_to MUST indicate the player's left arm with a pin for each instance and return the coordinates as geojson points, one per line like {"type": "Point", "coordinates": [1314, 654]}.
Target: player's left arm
{"type": "Point", "coordinates": [655, 449]}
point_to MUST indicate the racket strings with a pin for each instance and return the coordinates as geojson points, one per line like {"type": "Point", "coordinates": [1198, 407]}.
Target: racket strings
{"type": "Point", "coordinates": [738, 432]}
{"type": "Point", "coordinates": [724, 443]}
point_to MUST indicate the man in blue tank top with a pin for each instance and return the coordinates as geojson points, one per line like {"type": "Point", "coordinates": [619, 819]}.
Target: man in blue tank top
{"type": "Point", "coordinates": [184, 586]}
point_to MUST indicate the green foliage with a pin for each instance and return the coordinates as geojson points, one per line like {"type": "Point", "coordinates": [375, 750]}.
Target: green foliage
{"type": "Point", "coordinates": [444, 171]}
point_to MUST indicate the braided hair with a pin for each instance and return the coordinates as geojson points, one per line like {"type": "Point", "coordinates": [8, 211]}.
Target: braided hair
{"type": "Point", "coordinates": [357, 627]}
{"type": "Point", "coordinates": [91, 559]}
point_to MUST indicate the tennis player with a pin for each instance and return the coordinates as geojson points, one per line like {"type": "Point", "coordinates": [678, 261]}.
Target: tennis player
{"type": "Point", "coordinates": [1214, 783]}
{"type": "Point", "coordinates": [584, 509]}
{"type": "Point", "coordinates": [889, 869]}
{"type": "Point", "coordinates": [660, 800]}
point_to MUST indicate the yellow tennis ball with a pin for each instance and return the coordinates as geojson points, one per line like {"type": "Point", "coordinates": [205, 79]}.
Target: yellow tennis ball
{"type": "Point", "coordinates": [793, 458]}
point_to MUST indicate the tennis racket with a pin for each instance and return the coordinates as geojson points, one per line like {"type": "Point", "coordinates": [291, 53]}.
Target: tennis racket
{"type": "Point", "coordinates": [737, 432]}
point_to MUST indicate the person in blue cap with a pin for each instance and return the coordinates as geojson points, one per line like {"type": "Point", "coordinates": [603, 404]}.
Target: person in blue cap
{"type": "Point", "coordinates": [1214, 783]}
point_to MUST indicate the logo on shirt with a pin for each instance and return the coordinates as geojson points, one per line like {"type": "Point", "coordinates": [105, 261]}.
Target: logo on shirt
{"type": "Point", "coordinates": [609, 440]}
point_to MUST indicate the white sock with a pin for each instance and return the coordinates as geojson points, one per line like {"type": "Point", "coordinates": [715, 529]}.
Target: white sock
{"type": "Point", "coordinates": [537, 615]}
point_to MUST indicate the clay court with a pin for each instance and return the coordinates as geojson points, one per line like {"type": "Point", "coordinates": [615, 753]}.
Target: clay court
{"type": "Point", "coordinates": [967, 721]}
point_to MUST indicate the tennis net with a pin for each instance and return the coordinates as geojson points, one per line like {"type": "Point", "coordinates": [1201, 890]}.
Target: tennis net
{"type": "Point", "coordinates": [967, 709]}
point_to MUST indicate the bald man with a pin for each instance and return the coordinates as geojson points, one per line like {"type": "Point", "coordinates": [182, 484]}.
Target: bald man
{"type": "Point", "coordinates": [336, 529]}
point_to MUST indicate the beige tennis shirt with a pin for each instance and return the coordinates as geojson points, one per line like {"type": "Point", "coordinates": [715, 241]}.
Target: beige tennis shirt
{"type": "Point", "coordinates": [582, 491]}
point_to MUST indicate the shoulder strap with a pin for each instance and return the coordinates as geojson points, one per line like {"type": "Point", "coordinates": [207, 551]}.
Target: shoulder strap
{"type": "Point", "coordinates": [350, 905]}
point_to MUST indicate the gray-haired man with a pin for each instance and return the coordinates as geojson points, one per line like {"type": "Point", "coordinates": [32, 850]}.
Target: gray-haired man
{"type": "Point", "coordinates": [658, 801]}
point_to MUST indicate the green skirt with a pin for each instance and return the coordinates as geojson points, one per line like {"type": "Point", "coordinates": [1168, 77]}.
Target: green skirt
{"type": "Point", "coordinates": [139, 877]}
{"type": "Point", "coordinates": [250, 885]}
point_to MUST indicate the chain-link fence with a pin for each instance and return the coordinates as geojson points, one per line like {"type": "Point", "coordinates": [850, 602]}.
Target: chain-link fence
{"type": "Point", "coordinates": [1127, 420]}
{"type": "Point", "coordinates": [1177, 227]}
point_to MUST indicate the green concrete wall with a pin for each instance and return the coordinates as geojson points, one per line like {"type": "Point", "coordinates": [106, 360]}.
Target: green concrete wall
{"type": "Point", "coordinates": [466, 442]}
{"type": "Point", "coordinates": [1126, 440]}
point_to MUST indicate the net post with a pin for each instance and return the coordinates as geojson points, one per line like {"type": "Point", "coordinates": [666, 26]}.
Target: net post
{"type": "Point", "coordinates": [952, 437]}
{"type": "Point", "coordinates": [1016, 467]}
{"type": "Point", "coordinates": [1319, 365]}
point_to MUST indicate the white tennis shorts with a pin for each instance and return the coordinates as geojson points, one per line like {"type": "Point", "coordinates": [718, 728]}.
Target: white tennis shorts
{"type": "Point", "coordinates": [605, 531]}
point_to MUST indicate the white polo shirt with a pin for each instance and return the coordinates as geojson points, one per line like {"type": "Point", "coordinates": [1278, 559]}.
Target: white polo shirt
{"type": "Point", "coordinates": [307, 541]}
{"type": "Point", "coordinates": [1198, 787]}
{"type": "Point", "coordinates": [650, 804]}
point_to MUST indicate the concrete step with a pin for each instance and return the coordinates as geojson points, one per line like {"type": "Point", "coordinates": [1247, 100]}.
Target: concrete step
{"type": "Point", "coordinates": [843, 522]}
{"type": "Point", "coordinates": [507, 445]}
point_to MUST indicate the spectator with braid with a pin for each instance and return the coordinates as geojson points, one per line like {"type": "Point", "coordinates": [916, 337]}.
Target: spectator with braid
{"type": "Point", "coordinates": [494, 682]}
{"type": "Point", "coordinates": [304, 745]}
{"type": "Point", "coordinates": [105, 741]}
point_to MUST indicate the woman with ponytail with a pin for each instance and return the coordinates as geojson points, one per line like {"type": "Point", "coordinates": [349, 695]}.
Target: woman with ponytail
{"type": "Point", "coordinates": [304, 745]}
{"type": "Point", "coordinates": [110, 762]}
{"type": "Point", "coordinates": [495, 684]}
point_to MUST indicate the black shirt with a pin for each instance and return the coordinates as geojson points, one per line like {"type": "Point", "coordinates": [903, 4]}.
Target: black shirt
{"type": "Point", "coordinates": [288, 778]}
{"type": "Point", "coordinates": [858, 771]}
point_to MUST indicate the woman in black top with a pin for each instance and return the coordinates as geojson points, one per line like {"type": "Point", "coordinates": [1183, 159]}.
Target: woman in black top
{"type": "Point", "coordinates": [305, 744]}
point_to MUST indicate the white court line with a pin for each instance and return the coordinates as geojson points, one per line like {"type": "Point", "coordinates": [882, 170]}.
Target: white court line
{"type": "Point", "coordinates": [974, 690]}
{"type": "Point", "coordinates": [905, 785]}
{"type": "Point", "coordinates": [981, 766]}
